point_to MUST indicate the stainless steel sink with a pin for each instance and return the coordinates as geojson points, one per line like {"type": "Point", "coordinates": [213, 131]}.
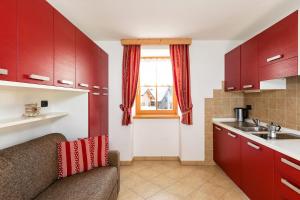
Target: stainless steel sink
{"type": "Point", "coordinates": [279, 136]}
{"type": "Point", "coordinates": [254, 129]}
{"type": "Point", "coordinates": [247, 127]}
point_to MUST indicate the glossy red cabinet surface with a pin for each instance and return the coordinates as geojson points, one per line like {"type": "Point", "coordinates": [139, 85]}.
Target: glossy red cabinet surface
{"type": "Point", "coordinates": [232, 156]}
{"type": "Point", "coordinates": [249, 65]}
{"type": "Point", "coordinates": [35, 32]}
{"type": "Point", "coordinates": [279, 43]}
{"type": "Point", "coordinates": [233, 70]}
{"type": "Point", "coordinates": [287, 177]}
{"type": "Point", "coordinates": [8, 40]}
{"type": "Point", "coordinates": [94, 114]}
{"type": "Point", "coordinates": [257, 170]}
{"type": "Point", "coordinates": [64, 51]}
{"type": "Point", "coordinates": [84, 61]}
{"type": "Point", "coordinates": [104, 92]}
{"type": "Point", "coordinates": [227, 153]}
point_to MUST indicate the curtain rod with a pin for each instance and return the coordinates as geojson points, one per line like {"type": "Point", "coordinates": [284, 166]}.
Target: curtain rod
{"type": "Point", "coordinates": [156, 41]}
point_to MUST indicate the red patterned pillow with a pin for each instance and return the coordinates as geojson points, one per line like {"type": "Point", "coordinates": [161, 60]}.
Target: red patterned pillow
{"type": "Point", "coordinates": [99, 150]}
{"type": "Point", "coordinates": [73, 157]}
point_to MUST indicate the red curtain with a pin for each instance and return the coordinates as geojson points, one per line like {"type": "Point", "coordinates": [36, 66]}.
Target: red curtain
{"type": "Point", "coordinates": [181, 75]}
{"type": "Point", "coordinates": [130, 75]}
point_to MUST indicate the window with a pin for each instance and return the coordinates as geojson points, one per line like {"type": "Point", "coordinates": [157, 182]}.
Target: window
{"type": "Point", "coordinates": [155, 94]}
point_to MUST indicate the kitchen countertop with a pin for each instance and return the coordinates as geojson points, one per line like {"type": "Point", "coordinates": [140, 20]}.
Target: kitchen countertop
{"type": "Point", "coordinates": [288, 147]}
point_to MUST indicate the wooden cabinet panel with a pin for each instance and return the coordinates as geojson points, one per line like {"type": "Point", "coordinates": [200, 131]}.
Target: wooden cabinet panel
{"type": "Point", "coordinates": [232, 156]}
{"type": "Point", "coordinates": [218, 138]}
{"type": "Point", "coordinates": [287, 177]}
{"type": "Point", "coordinates": [8, 40]}
{"type": "Point", "coordinates": [233, 70]}
{"type": "Point", "coordinates": [84, 61]}
{"type": "Point", "coordinates": [249, 65]}
{"type": "Point", "coordinates": [35, 19]}
{"type": "Point", "coordinates": [64, 51]}
{"type": "Point", "coordinates": [276, 44]}
{"type": "Point", "coordinates": [94, 117]}
{"type": "Point", "coordinates": [257, 165]}
{"type": "Point", "coordinates": [105, 93]}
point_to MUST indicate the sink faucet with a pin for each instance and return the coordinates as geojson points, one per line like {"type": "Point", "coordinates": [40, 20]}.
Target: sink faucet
{"type": "Point", "coordinates": [256, 122]}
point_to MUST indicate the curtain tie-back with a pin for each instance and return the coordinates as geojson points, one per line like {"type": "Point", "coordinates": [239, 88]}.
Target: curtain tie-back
{"type": "Point", "coordinates": [188, 110]}
{"type": "Point", "coordinates": [125, 108]}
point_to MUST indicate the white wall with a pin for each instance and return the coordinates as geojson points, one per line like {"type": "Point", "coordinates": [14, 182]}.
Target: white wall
{"type": "Point", "coordinates": [156, 137]}
{"type": "Point", "coordinates": [207, 72]}
{"type": "Point", "coordinates": [12, 102]}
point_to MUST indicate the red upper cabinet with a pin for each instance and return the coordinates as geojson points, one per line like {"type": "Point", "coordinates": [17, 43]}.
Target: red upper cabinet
{"type": "Point", "coordinates": [249, 65]}
{"type": "Point", "coordinates": [84, 61]}
{"type": "Point", "coordinates": [8, 40]}
{"type": "Point", "coordinates": [257, 165]}
{"type": "Point", "coordinates": [278, 49]}
{"type": "Point", "coordinates": [233, 70]}
{"type": "Point", "coordinates": [104, 93]}
{"type": "Point", "coordinates": [64, 51]}
{"type": "Point", "coordinates": [35, 19]}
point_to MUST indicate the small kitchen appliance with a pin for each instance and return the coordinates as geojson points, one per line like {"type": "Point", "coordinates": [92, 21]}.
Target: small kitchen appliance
{"type": "Point", "coordinates": [241, 114]}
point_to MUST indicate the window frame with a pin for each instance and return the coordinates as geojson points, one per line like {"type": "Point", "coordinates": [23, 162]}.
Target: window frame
{"type": "Point", "coordinates": [155, 113]}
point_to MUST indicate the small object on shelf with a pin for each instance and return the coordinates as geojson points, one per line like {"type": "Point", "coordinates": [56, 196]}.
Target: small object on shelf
{"type": "Point", "coordinates": [32, 110]}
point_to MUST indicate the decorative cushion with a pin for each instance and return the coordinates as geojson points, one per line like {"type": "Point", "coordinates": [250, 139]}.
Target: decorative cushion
{"type": "Point", "coordinates": [73, 157]}
{"type": "Point", "coordinates": [99, 150]}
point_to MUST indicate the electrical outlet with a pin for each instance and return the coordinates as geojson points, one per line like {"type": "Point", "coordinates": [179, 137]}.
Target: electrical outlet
{"type": "Point", "coordinates": [44, 103]}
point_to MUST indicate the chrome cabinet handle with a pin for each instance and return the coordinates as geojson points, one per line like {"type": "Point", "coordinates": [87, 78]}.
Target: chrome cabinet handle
{"type": "Point", "coordinates": [3, 71]}
{"type": "Point", "coordinates": [231, 135]}
{"type": "Point", "coordinates": [105, 94]}
{"type": "Point", "coordinates": [104, 88]}
{"type": "Point", "coordinates": [96, 93]}
{"type": "Point", "coordinates": [247, 86]}
{"type": "Point", "coordinates": [289, 185]}
{"type": "Point", "coordinates": [83, 85]}
{"type": "Point", "coordinates": [289, 163]}
{"type": "Point", "coordinates": [274, 58]}
{"type": "Point", "coordinates": [66, 82]}
{"type": "Point", "coordinates": [96, 87]}
{"type": "Point", "coordinates": [219, 129]}
{"type": "Point", "coordinates": [253, 145]}
{"type": "Point", "coordinates": [39, 78]}
{"type": "Point", "coordinates": [230, 88]}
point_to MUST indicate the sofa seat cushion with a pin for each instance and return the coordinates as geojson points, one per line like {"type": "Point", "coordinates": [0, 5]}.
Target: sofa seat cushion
{"type": "Point", "coordinates": [97, 184]}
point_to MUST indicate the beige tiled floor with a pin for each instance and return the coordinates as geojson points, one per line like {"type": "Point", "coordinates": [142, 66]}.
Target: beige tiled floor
{"type": "Point", "coordinates": [168, 180]}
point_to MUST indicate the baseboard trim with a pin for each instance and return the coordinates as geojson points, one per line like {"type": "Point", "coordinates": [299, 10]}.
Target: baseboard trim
{"type": "Point", "coordinates": [156, 158]}
{"type": "Point", "coordinates": [168, 158]}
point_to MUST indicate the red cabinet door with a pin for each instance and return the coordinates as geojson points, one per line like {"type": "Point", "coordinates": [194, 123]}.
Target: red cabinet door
{"type": "Point", "coordinates": [64, 51]}
{"type": "Point", "coordinates": [278, 49]}
{"type": "Point", "coordinates": [218, 138]}
{"type": "Point", "coordinates": [257, 165]}
{"type": "Point", "coordinates": [233, 70]}
{"type": "Point", "coordinates": [84, 61]}
{"type": "Point", "coordinates": [105, 93]}
{"type": "Point", "coordinates": [287, 177]}
{"type": "Point", "coordinates": [232, 156]}
{"type": "Point", "coordinates": [249, 65]}
{"type": "Point", "coordinates": [8, 40]}
{"type": "Point", "coordinates": [94, 117]}
{"type": "Point", "coordinates": [35, 26]}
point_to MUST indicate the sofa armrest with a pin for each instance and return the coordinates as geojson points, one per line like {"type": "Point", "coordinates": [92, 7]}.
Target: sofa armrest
{"type": "Point", "coordinates": [114, 161]}
{"type": "Point", "coordinates": [114, 158]}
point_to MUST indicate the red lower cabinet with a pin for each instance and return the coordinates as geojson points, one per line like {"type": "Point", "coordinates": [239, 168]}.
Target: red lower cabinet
{"type": "Point", "coordinates": [257, 170]}
{"type": "Point", "coordinates": [218, 136]}
{"type": "Point", "coordinates": [232, 156]}
{"type": "Point", "coordinates": [287, 178]}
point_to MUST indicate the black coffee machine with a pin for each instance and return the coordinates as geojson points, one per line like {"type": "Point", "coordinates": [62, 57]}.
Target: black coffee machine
{"type": "Point", "coordinates": [241, 114]}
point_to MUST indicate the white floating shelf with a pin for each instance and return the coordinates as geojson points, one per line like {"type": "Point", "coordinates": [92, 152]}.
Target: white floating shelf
{"type": "Point", "coordinates": [26, 120]}
{"type": "Point", "coordinates": [36, 86]}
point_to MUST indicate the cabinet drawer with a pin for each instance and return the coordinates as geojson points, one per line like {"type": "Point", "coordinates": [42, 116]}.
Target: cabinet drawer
{"type": "Point", "coordinates": [286, 188]}
{"type": "Point", "coordinates": [288, 167]}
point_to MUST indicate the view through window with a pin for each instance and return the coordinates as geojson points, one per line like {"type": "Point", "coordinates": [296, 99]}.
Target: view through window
{"type": "Point", "coordinates": [155, 90]}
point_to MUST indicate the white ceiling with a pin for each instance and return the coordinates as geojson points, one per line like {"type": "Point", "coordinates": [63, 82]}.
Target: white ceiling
{"type": "Point", "coordinates": [198, 19]}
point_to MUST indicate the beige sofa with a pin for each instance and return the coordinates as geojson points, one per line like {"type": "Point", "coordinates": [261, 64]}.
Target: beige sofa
{"type": "Point", "coordinates": [29, 171]}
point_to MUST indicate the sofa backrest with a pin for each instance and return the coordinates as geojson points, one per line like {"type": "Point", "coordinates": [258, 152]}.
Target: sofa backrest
{"type": "Point", "coordinates": [29, 168]}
